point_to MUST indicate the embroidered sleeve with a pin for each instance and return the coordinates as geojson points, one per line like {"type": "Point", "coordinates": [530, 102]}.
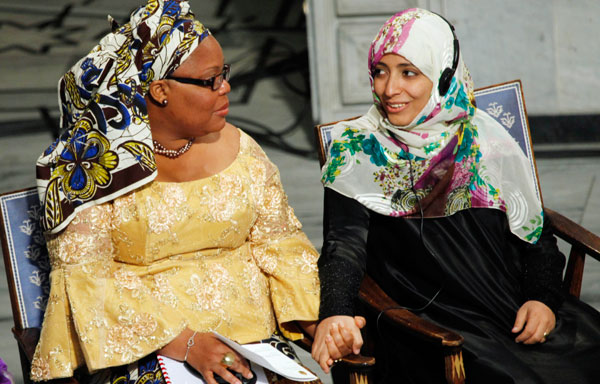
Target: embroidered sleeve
{"type": "Point", "coordinates": [58, 351]}
{"type": "Point", "coordinates": [284, 253]}
{"type": "Point", "coordinates": [100, 313]}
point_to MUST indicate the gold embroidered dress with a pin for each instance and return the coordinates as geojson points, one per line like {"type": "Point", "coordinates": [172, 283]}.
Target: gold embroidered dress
{"type": "Point", "coordinates": [223, 253]}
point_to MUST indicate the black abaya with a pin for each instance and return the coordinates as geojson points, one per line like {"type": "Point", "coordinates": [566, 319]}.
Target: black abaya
{"type": "Point", "coordinates": [483, 274]}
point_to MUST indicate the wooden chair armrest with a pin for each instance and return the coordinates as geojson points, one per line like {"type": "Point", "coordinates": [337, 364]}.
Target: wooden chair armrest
{"type": "Point", "coordinates": [582, 242]}
{"type": "Point", "coordinates": [358, 362]}
{"type": "Point", "coordinates": [372, 294]}
{"type": "Point", "coordinates": [574, 233]}
{"type": "Point", "coordinates": [27, 340]}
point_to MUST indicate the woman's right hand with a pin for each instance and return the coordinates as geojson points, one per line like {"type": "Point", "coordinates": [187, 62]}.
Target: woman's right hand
{"type": "Point", "coordinates": [205, 356]}
{"type": "Point", "coordinates": [336, 337]}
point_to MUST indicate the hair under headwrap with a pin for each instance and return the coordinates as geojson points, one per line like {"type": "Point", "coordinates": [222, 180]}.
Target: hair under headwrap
{"type": "Point", "coordinates": [451, 157]}
{"type": "Point", "coordinates": [106, 149]}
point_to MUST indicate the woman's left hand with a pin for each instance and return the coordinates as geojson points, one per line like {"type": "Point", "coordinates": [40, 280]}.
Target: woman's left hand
{"type": "Point", "coordinates": [536, 320]}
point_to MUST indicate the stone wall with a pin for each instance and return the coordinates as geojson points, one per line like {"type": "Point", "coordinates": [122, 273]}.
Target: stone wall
{"type": "Point", "coordinates": [551, 45]}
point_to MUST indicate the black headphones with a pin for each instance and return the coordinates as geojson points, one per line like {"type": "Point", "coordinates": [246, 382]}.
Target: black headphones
{"type": "Point", "coordinates": [448, 73]}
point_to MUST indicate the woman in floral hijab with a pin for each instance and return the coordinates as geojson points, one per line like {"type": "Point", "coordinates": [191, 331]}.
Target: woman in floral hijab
{"type": "Point", "coordinates": [164, 223]}
{"type": "Point", "coordinates": [437, 202]}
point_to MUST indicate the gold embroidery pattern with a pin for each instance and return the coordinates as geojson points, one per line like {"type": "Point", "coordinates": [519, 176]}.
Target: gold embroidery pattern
{"type": "Point", "coordinates": [128, 280]}
{"type": "Point", "coordinates": [40, 370]}
{"type": "Point", "coordinates": [221, 206]}
{"type": "Point", "coordinates": [210, 291]}
{"type": "Point", "coordinates": [163, 291]}
{"type": "Point", "coordinates": [307, 262]}
{"type": "Point", "coordinates": [167, 209]}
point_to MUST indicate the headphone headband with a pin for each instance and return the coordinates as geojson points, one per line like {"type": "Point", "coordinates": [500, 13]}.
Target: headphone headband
{"type": "Point", "coordinates": [448, 73]}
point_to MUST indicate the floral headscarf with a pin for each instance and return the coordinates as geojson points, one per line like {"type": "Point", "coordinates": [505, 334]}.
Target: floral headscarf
{"type": "Point", "coordinates": [452, 156]}
{"type": "Point", "coordinates": [106, 149]}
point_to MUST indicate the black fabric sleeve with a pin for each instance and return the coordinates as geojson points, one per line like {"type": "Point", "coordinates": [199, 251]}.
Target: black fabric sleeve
{"type": "Point", "coordinates": [344, 254]}
{"type": "Point", "coordinates": [543, 269]}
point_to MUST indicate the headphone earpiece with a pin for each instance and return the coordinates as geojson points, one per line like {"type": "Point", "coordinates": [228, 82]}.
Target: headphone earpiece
{"type": "Point", "coordinates": [445, 81]}
{"type": "Point", "coordinates": [448, 73]}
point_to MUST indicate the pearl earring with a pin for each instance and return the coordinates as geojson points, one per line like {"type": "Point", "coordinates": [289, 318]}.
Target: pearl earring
{"type": "Point", "coordinates": [165, 102]}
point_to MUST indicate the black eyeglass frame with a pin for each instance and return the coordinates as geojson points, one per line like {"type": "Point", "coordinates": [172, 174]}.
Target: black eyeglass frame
{"type": "Point", "coordinates": [213, 83]}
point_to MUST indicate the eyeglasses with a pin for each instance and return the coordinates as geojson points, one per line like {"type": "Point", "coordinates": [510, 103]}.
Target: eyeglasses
{"type": "Point", "coordinates": [214, 82]}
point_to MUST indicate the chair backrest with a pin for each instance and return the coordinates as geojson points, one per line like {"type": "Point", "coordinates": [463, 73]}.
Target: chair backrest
{"type": "Point", "coordinates": [504, 102]}
{"type": "Point", "coordinates": [25, 256]}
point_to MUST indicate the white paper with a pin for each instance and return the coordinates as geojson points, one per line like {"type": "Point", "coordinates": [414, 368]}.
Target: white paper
{"type": "Point", "coordinates": [270, 358]}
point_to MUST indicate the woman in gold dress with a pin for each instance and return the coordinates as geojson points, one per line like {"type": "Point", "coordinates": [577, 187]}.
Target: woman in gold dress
{"type": "Point", "coordinates": [164, 222]}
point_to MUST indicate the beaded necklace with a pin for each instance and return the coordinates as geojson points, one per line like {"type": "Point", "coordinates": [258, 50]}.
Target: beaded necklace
{"type": "Point", "coordinates": [159, 149]}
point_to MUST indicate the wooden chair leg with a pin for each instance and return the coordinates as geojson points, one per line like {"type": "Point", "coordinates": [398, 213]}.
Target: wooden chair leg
{"type": "Point", "coordinates": [574, 273]}
{"type": "Point", "coordinates": [360, 378]}
{"type": "Point", "coordinates": [25, 366]}
{"type": "Point", "coordinates": [455, 369]}
{"type": "Point", "coordinates": [354, 369]}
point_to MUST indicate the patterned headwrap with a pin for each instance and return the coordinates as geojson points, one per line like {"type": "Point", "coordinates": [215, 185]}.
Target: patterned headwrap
{"type": "Point", "coordinates": [106, 149]}
{"type": "Point", "coordinates": [453, 155]}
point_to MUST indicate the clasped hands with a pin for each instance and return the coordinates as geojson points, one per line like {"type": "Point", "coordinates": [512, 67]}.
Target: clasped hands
{"type": "Point", "coordinates": [338, 336]}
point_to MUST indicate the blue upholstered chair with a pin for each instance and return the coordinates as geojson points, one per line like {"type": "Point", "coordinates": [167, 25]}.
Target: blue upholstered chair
{"type": "Point", "coordinates": [27, 267]}
{"type": "Point", "coordinates": [505, 103]}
